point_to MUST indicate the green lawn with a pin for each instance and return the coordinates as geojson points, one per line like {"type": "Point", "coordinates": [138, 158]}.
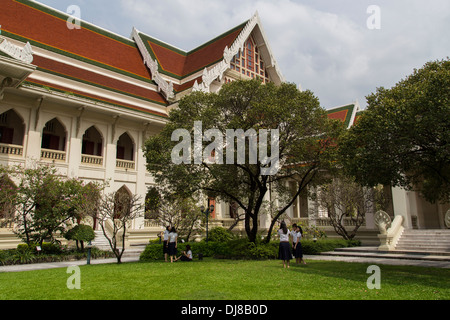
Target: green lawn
{"type": "Point", "coordinates": [228, 280]}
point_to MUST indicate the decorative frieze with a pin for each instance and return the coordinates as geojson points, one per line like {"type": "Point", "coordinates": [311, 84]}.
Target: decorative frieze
{"type": "Point", "coordinates": [166, 87]}
{"type": "Point", "coordinates": [219, 69]}
{"type": "Point", "coordinates": [24, 54]}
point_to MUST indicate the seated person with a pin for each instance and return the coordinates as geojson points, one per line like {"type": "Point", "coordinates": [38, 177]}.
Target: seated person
{"type": "Point", "coordinates": [187, 255]}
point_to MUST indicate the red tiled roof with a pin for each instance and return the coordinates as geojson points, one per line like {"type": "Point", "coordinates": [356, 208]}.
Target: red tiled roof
{"type": "Point", "coordinates": [71, 72]}
{"type": "Point", "coordinates": [179, 64]}
{"type": "Point", "coordinates": [42, 27]}
{"type": "Point", "coordinates": [343, 114]}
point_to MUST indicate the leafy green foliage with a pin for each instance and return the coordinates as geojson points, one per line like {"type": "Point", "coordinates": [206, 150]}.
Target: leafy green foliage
{"type": "Point", "coordinates": [306, 146]}
{"type": "Point", "coordinates": [219, 234]}
{"type": "Point", "coordinates": [51, 252]}
{"type": "Point", "coordinates": [80, 233]}
{"type": "Point", "coordinates": [243, 249]}
{"type": "Point", "coordinates": [403, 138]}
{"type": "Point", "coordinates": [43, 202]}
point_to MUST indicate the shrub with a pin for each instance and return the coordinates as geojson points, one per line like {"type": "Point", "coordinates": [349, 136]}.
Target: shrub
{"type": "Point", "coordinates": [219, 234]}
{"type": "Point", "coordinates": [152, 251]}
{"type": "Point", "coordinates": [81, 233]}
{"type": "Point", "coordinates": [46, 248]}
{"type": "Point", "coordinates": [243, 249]}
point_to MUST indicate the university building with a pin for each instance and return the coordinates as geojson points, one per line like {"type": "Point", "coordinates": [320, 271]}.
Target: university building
{"type": "Point", "coordinates": [85, 99]}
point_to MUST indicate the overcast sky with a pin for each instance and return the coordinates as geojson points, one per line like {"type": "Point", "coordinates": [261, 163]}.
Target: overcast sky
{"type": "Point", "coordinates": [325, 46]}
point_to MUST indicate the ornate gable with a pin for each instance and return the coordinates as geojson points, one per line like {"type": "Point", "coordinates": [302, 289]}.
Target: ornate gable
{"type": "Point", "coordinates": [239, 53]}
{"type": "Point", "coordinates": [249, 56]}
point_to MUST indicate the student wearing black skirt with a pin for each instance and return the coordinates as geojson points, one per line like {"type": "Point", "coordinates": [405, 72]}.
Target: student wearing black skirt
{"type": "Point", "coordinates": [298, 252]}
{"type": "Point", "coordinates": [284, 251]}
{"type": "Point", "coordinates": [172, 248]}
{"type": "Point", "coordinates": [166, 242]}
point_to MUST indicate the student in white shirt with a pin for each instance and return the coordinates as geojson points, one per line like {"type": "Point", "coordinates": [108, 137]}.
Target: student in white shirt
{"type": "Point", "coordinates": [187, 255]}
{"type": "Point", "coordinates": [173, 239]}
{"type": "Point", "coordinates": [284, 251]}
{"type": "Point", "coordinates": [166, 242]}
{"type": "Point", "coordinates": [298, 252]}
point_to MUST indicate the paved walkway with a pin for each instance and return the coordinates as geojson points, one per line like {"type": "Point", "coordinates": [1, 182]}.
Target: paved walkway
{"type": "Point", "coordinates": [358, 255]}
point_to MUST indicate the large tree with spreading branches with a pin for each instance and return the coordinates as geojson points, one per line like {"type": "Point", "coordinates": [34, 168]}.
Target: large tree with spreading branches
{"type": "Point", "coordinates": [284, 136]}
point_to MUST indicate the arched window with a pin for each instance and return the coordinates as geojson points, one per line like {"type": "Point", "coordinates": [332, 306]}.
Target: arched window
{"type": "Point", "coordinates": [7, 190]}
{"type": "Point", "coordinates": [12, 128]}
{"type": "Point", "coordinates": [54, 136]}
{"type": "Point", "coordinates": [249, 63]}
{"type": "Point", "coordinates": [152, 203]}
{"type": "Point", "coordinates": [92, 142]}
{"type": "Point", "coordinates": [125, 148]}
{"type": "Point", "coordinates": [122, 203]}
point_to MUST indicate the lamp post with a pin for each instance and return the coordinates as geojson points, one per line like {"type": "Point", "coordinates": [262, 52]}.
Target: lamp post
{"type": "Point", "coordinates": [89, 246]}
{"type": "Point", "coordinates": [207, 212]}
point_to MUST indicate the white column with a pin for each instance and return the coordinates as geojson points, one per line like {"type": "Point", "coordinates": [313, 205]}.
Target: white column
{"type": "Point", "coordinates": [141, 169]}
{"type": "Point", "coordinates": [401, 206]}
{"type": "Point", "coordinates": [313, 209]}
{"type": "Point", "coordinates": [110, 160]}
{"type": "Point", "coordinates": [74, 152]}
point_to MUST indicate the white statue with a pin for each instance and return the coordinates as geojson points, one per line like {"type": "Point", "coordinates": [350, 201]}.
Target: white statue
{"type": "Point", "coordinates": [382, 221]}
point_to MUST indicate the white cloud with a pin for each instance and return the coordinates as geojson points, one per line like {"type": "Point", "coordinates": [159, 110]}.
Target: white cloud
{"type": "Point", "coordinates": [324, 45]}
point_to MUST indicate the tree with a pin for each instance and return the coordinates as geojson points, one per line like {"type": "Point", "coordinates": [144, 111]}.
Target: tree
{"type": "Point", "coordinates": [183, 214]}
{"type": "Point", "coordinates": [403, 138]}
{"type": "Point", "coordinates": [42, 203]}
{"type": "Point", "coordinates": [115, 212]}
{"type": "Point", "coordinates": [56, 205]}
{"type": "Point", "coordinates": [80, 233]}
{"type": "Point", "coordinates": [346, 200]}
{"type": "Point", "coordinates": [301, 146]}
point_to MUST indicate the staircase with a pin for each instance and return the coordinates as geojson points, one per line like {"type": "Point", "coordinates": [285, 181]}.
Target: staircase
{"type": "Point", "coordinates": [427, 241]}
{"type": "Point", "coordinates": [100, 241]}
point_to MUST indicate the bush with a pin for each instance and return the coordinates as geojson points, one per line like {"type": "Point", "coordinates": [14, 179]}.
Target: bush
{"type": "Point", "coordinates": [50, 253]}
{"type": "Point", "coordinates": [82, 233]}
{"type": "Point", "coordinates": [219, 234]}
{"type": "Point", "coordinates": [245, 250]}
{"type": "Point", "coordinates": [46, 248]}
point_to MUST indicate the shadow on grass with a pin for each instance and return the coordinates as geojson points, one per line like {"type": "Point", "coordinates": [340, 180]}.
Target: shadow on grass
{"type": "Point", "coordinates": [390, 275]}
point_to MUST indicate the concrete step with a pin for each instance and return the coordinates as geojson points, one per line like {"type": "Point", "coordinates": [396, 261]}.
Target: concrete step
{"type": "Point", "coordinates": [373, 252]}
{"type": "Point", "coordinates": [428, 241]}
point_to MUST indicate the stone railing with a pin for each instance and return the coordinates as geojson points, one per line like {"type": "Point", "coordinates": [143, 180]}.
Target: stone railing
{"type": "Point", "coordinates": [346, 222]}
{"type": "Point", "coordinates": [91, 160]}
{"type": "Point", "coordinates": [125, 164]}
{"type": "Point", "coordinates": [390, 231]}
{"type": "Point", "coordinates": [54, 155]}
{"type": "Point", "coordinates": [11, 149]}
{"type": "Point", "coordinates": [150, 223]}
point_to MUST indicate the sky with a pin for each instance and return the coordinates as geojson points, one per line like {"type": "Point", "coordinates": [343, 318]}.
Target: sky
{"type": "Point", "coordinates": [341, 50]}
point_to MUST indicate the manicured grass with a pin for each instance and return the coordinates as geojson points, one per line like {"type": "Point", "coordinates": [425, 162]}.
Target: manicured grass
{"type": "Point", "coordinates": [228, 280]}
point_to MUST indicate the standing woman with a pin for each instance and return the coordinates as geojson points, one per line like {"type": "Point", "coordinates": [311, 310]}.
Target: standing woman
{"type": "Point", "coordinates": [166, 242]}
{"type": "Point", "coordinates": [298, 252]}
{"type": "Point", "coordinates": [284, 252]}
{"type": "Point", "coordinates": [173, 238]}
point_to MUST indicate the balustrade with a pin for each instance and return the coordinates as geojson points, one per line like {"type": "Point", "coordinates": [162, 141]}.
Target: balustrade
{"type": "Point", "coordinates": [54, 155]}
{"type": "Point", "coordinates": [11, 149]}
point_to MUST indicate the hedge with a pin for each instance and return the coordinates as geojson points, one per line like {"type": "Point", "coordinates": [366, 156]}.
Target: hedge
{"type": "Point", "coordinates": [243, 249]}
{"type": "Point", "coordinates": [25, 254]}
